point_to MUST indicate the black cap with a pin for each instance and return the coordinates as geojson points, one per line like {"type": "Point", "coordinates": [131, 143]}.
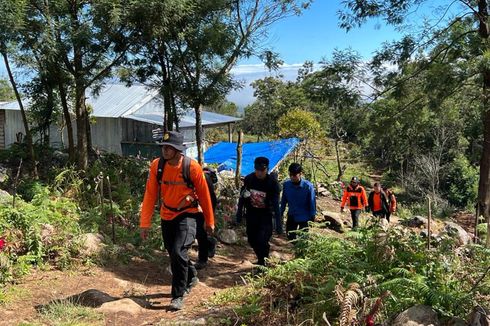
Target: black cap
{"type": "Point", "coordinates": [174, 139]}
{"type": "Point", "coordinates": [354, 179]}
{"type": "Point", "coordinates": [295, 168]}
{"type": "Point", "coordinates": [261, 163]}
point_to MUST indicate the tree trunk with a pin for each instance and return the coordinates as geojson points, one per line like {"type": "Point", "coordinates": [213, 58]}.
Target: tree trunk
{"type": "Point", "coordinates": [199, 134]}
{"type": "Point", "coordinates": [238, 171]}
{"type": "Point", "coordinates": [337, 154]}
{"type": "Point", "coordinates": [69, 127]}
{"type": "Point", "coordinates": [484, 184]}
{"type": "Point", "coordinates": [87, 130]}
{"type": "Point", "coordinates": [81, 114]}
{"type": "Point", "coordinates": [30, 146]}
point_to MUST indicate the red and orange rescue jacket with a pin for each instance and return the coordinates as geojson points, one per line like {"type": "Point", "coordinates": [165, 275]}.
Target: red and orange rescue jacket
{"type": "Point", "coordinates": [354, 198]}
{"type": "Point", "coordinates": [175, 193]}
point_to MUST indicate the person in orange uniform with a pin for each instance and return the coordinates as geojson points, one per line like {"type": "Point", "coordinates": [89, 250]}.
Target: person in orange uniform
{"type": "Point", "coordinates": [391, 201]}
{"type": "Point", "coordinates": [355, 197]}
{"type": "Point", "coordinates": [378, 202]}
{"type": "Point", "coordinates": [180, 207]}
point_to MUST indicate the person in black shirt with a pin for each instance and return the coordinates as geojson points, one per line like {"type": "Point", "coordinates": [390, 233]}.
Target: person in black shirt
{"type": "Point", "coordinates": [259, 204]}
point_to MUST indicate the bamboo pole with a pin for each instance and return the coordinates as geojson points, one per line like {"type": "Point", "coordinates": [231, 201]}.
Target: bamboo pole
{"type": "Point", "coordinates": [428, 222]}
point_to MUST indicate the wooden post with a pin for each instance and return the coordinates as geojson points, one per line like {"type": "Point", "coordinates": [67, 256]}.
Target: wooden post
{"type": "Point", "coordinates": [112, 211]}
{"type": "Point", "coordinates": [428, 222]}
{"type": "Point", "coordinates": [230, 134]}
{"type": "Point", "coordinates": [239, 159]}
{"type": "Point", "coordinates": [477, 219]}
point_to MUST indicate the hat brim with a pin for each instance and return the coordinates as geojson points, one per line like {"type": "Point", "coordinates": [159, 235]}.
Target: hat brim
{"type": "Point", "coordinates": [180, 148]}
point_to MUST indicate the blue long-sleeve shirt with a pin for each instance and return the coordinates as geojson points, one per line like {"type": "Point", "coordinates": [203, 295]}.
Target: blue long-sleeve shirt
{"type": "Point", "coordinates": [300, 199]}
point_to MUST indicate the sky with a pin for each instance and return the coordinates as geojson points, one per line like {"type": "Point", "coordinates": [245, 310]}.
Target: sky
{"type": "Point", "coordinates": [313, 36]}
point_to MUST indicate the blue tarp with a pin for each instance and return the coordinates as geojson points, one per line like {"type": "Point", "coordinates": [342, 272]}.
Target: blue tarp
{"type": "Point", "coordinates": [224, 154]}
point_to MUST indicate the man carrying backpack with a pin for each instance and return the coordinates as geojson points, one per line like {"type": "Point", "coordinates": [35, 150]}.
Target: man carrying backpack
{"type": "Point", "coordinates": [259, 197]}
{"type": "Point", "coordinates": [180, 185]}
{"type": "Point", "coordinates": [378, 202]}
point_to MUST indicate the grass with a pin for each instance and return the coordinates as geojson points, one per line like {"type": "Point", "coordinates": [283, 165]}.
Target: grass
{"type": "Point", "coordinates": [70, 314]}
{"type": "Point", "coordinates": [11, 294]}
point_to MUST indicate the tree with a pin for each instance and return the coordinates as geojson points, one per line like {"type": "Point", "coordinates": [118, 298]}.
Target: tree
{"type": "Point", "coordinates": [394, 12]}
{"type": "Point", "coordinates": [214, 38]}
{"type": "Point", "coordinates": [6, 92]}
{"type": "Point", "coordinates": [11, 23]}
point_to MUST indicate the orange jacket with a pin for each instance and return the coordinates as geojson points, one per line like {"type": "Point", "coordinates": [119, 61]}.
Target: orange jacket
{"type": "Point", "coordinates": [392, 201]}
{"type": "Point", "coordinates": [354, 198]}
{"type": "Point", "coordinates": [175, 193]}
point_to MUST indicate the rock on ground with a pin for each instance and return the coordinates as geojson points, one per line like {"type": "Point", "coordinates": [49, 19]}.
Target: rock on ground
{"type": "Point", "coordinates": [419, 315]}
{"type": "Point", "coordinates": [334, 220]}
{"type": "Point", "coordinates": [454, 230]}
{"type": "Point", "coordinates": [228, 236]}
{"type": "Point", "coordinates": [479, 317]}
{"type": "Point", "coordinates": [416, 222]}
{"type": "Point", "coordinates": [119, 306]}
{"type": "Point", "coordinates": [91, 243]}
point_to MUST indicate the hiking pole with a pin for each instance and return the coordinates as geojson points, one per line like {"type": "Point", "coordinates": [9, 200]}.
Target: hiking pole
{"type": "Point", "coordinates": [428, 222]}
{"type": "Point", "coordinates": [15, 182]}
{"type": "Point", "coordinates": [111, 211]}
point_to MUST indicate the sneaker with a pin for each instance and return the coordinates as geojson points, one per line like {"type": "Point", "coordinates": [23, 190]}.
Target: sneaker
{"type": "Point", "coordinates": [177, 303]}
{"type": "Point", "coordinates": [200, 264]}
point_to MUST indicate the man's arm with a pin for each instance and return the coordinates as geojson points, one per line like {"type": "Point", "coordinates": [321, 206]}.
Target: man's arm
{"type": "Point", "coordinates": [150, 197]}
{"type": "Point", "coordinates": [202, 192]}
{"type": "Point", "coordinates": [312, 203]}
{"type": "Point", "coordinates": [284, 199]}
{"type": "Point", "coordinates": [344, 199]}
{"type": "Point", "coordinates": [275, 206]}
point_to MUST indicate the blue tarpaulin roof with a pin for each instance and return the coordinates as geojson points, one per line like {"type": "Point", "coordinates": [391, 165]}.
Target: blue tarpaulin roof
{"type": "Point", "coordinates": [225, 154]}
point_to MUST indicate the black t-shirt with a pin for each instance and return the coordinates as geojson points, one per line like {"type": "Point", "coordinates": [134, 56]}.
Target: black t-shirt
{"type": "Point", "coordinates": [260, 196]}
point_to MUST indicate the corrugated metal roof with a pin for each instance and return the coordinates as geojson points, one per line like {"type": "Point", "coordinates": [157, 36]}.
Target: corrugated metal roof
{"type": "Point", "coordinates": [138, 103]}
{"type": "Point", "coordinates": [116, 100]}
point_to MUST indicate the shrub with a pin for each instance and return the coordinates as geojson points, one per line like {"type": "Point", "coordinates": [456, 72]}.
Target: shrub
{"type": "Point", "coordinates": [460, 184]}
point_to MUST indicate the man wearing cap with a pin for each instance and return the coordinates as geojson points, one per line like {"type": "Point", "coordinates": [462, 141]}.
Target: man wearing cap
{"type": "Point", "coordinates": [355, 197]}
{"type": "Point", "coordinates": [299, 195]}
{"type": "Point", "coordinates": [259, 197]}
{"type": "Point", "coordinates": [180, 207]}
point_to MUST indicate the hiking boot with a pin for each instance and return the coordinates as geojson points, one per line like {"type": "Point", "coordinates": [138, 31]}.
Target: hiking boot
{"type": "Point", "coordinates": [177, 303]}
{"type": "Point", "coordinates": [200, 264]}
{"type": "Point", "coordinates": [192, 284]}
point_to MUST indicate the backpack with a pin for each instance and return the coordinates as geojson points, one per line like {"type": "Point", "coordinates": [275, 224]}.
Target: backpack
{"type": "Point", "coordinates": [186, 175]}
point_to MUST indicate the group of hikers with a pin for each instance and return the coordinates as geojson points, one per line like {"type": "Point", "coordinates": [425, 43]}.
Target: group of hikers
{"type": "Point", "coordinates": [185, 192]}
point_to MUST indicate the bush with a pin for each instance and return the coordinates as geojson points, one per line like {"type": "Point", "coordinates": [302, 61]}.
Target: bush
{"type": "Point", "coordinates": [368, 264]}
{"type": "Point", "coordinates": [460, 184]}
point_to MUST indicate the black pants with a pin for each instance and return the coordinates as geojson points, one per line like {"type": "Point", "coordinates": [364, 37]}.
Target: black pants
{"type": "Point", "coordinates": [292, 225]}
{"type": "Point", "coordinates": [206, 243]}
{"type": "Point", "coordinates": [178, 236]}
{"type": "Point", "coordinates": [355, 213]}
{"type": "Point", "coordinates": [259, 232]}
{"type": "Point", "coordinates": [381, 214]}
{"type": "Point", "coordinates": [388, 214]}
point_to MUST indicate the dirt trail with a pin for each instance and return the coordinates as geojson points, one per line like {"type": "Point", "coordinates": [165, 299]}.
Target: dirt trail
{"type": "Point", "coordinates": [139, 279]}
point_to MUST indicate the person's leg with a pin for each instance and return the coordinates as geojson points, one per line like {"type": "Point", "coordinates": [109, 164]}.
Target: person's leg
{"type": "Point", "coordinates": [168, 235]}
{"type": "Point", "coordinates": [291, 225]}
{"type": "Point", "coordinates": [388, 214]}
{"type": "Point", "coordinates": [202, 242]}
{"type": "Point", "coordinates": [355, 218]}
{"type": "Point", "coordinates": [185, 232]}
{"type": "Point", "coordinates": [253, 228]}
{"type": "Point", "coordinates": [264, 235]}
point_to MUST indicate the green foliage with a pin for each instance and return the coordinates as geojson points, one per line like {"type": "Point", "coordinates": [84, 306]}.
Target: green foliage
{"type": "Point", "coordinates": [6, 92]}
{"type": "Point", "coordinates": [461, 183]}
{"type": "Point", "coordinates": [299, 123]}
{"type": "Point", "coordinates": [395, 260]}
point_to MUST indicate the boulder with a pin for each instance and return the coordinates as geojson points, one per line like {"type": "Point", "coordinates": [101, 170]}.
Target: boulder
{"type": "Point", "coordinates": [5, 198]}
{"type": "Point", "coordinates": [4, 174]}
{"type": "Point", "coordinates": [454, 230]}
{"type": "Point", "coordinates": [455, 321]}
{"type": "Point", "coordinates": [416, 222]}
{"type": "Point", "coordinates": [419, 315]}
{"type": "Point", "coordinates": [90, 298]}
{"type": "Point", "coordinates": [276, 255]}
{"type": "Point", "coordinates": [47, 232]}
{"type": "Point", "coordinates": [228, 236]}
{"type": "Point", "coordinates": [334, 221]}
{"type": "Point", "coordinates": [121, 306]}
{"type": "Point", "coordinates": [91, 244]}
{"type": "Point", "coordinates": [480, 316]}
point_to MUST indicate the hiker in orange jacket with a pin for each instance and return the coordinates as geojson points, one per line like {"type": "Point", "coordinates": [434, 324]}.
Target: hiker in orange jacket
{"type": "Point", "coordinates": [181, 203]}
{"type": "Point", "coordinates": [378, 202]}
{"type": "Point", "coordinates": [355, 197]}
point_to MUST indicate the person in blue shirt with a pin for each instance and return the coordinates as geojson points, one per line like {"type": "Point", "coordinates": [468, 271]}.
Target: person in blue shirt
{"type": "Point", "coordinates": [299, 195]}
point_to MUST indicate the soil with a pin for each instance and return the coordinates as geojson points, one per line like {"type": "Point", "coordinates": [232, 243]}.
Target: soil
{"type": "Point", "coordinates": [140, 279]}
